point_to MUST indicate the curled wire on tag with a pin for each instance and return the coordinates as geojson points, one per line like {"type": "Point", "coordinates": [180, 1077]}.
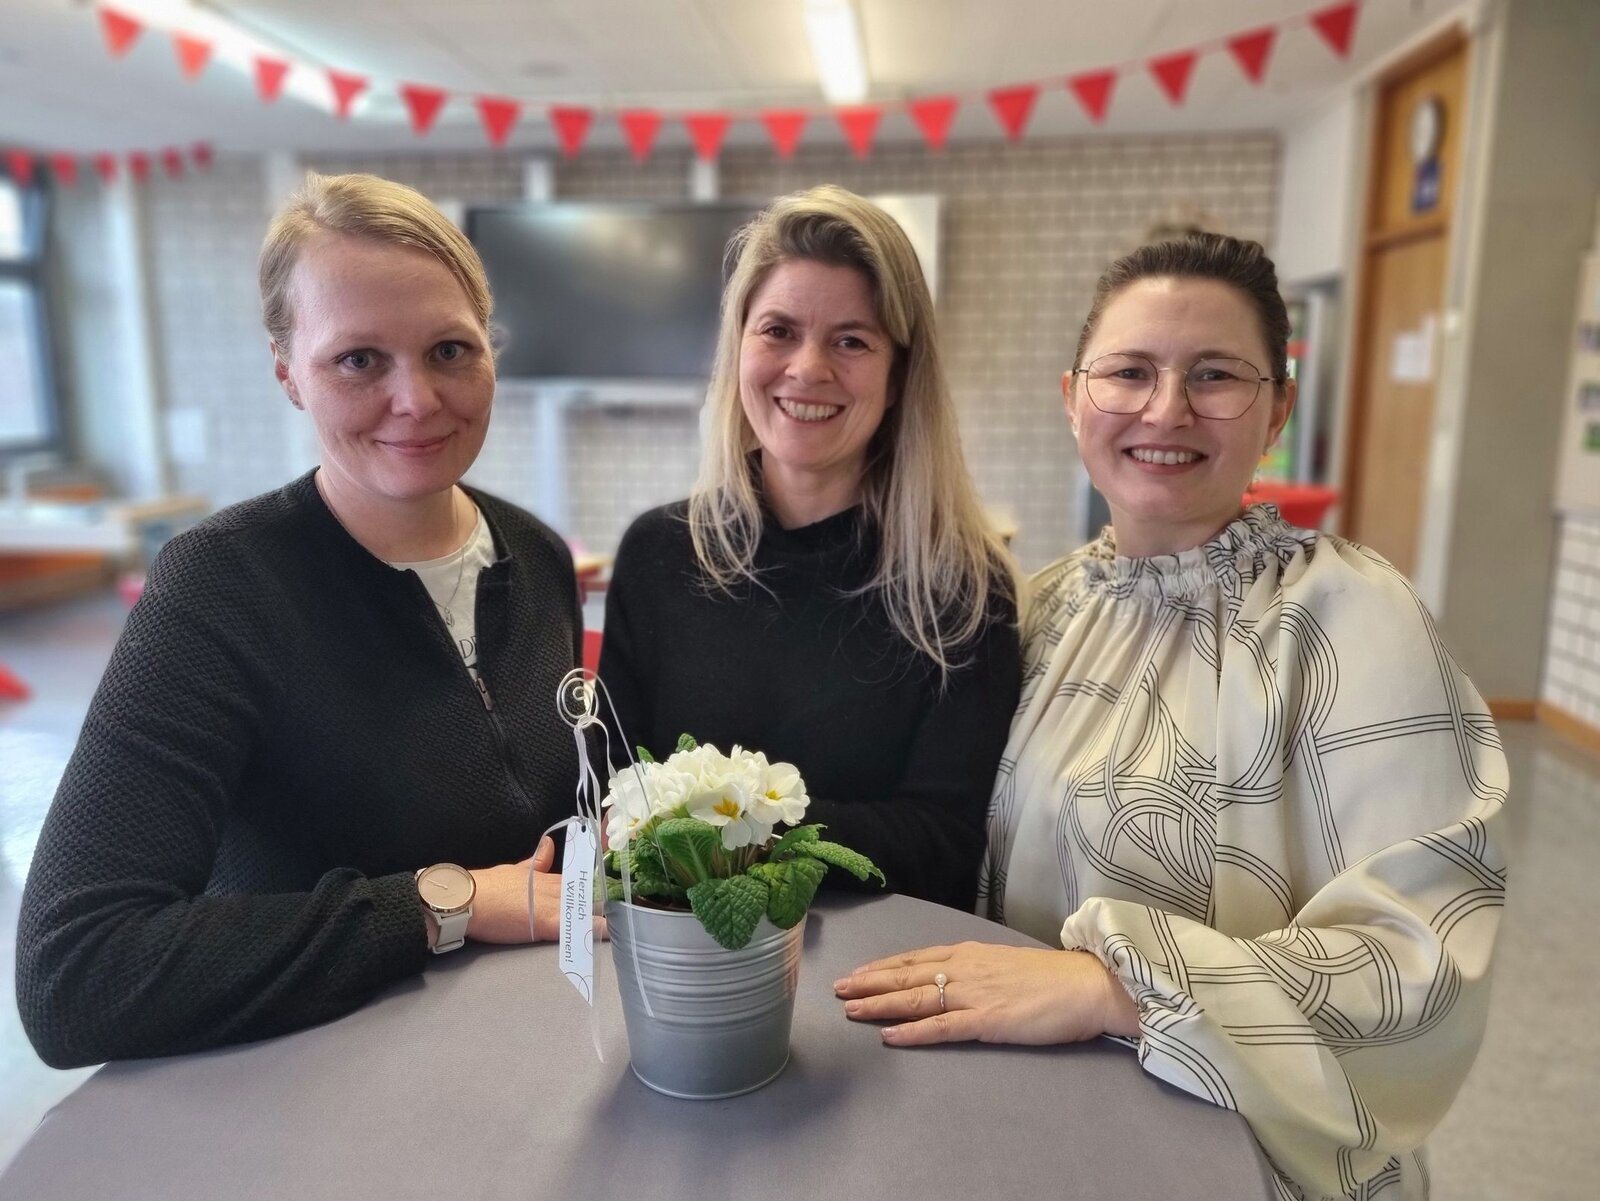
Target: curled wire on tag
{"type": "Point", "coordinates": [577, 701]}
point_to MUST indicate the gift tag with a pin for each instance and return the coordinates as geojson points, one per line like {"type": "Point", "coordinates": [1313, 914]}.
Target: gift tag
{"type": "Point", "coordinates": [577, 905]}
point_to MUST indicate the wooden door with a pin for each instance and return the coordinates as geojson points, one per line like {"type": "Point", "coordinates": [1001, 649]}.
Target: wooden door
{"type": "Point", "coordinates": [1406, 257]}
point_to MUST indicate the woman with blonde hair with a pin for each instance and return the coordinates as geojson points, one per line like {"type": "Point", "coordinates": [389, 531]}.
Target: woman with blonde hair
{"type": "Point", "coordinates": [326, 743]}
{"type": "Point", "coordinates": [830, 593]}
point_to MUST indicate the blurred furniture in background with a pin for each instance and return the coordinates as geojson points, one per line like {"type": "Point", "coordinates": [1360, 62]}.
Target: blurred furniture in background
{"type": "Point", "coordinates": [65, 542]}
{"type": "Point", "coordinates": [1301, 504]}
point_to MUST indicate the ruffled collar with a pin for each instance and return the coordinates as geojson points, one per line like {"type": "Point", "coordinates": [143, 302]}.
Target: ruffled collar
{"type": "Point", "coordinates": [1230, 561]}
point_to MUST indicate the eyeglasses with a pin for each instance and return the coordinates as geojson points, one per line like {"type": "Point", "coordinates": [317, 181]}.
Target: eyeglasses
{"type": "Point", "coordinates": [1219, 389]}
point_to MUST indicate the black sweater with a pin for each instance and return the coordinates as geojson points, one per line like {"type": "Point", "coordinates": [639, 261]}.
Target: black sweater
{"type": "Point", "coordinates": [898, 770]}
{"type": "Point", "coordinates": [285, 733]}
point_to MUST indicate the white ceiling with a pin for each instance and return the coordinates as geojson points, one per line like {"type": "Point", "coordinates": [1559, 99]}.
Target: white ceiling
{"type": "Point", "coordinates": [60, 89]}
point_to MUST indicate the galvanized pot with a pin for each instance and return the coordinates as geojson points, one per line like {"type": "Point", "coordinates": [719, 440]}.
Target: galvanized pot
{"type": "Point", "coordinates": [721, 1018]}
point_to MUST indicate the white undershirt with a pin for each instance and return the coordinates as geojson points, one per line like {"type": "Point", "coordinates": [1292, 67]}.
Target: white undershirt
{"type": "Point", "coordinates": [452, 583]}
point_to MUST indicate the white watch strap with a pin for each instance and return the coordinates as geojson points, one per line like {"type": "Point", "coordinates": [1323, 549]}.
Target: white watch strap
{"type": "Point", "coordinates": [452, 931]}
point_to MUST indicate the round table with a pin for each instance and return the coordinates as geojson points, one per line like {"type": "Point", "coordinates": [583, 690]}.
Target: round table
{"type": "Point", "coordinates": [479, 1080]}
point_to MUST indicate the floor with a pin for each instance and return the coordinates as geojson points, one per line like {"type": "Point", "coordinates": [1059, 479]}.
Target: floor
{"type": "Point", "coordinates": [1522, 1130]}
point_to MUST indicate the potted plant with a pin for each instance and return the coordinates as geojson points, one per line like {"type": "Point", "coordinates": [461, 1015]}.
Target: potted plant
{"type": "Point", "coordinates": [706, 933]}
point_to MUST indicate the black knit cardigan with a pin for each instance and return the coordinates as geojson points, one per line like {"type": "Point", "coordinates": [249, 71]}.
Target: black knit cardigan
{"type": "Point", "coordinates": [284, 734]}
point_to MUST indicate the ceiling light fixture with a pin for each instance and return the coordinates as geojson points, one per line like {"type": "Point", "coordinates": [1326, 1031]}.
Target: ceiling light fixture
{"type": "Point", "coordinates": [233, 45]}
{"type": "Point", "coordinates": [836, 48]}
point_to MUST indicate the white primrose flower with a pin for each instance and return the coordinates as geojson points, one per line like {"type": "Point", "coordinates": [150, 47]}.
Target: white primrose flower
{"type": "Point", "coordinates": [784, 797]}
{"type": "Point", "coordinates": [637, 795]}
{"type": "Point", "coordinates": [729, 795]}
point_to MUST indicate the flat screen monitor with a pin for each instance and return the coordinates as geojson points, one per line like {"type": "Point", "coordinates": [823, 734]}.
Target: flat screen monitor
{"type": "Point", "coordinates": [606, 291]}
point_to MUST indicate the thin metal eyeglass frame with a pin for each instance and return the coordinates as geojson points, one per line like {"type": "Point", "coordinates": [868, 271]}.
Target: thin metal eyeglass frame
{"type": "Point", "coordinates": [1155, 386]}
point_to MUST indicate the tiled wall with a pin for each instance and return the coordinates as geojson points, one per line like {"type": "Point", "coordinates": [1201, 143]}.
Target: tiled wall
{"type": "Point", "coordinates": [204, 232]}
{"type": "Point", "coordinates": [1572, 645]}
{"type": "Point", "coordinates": [1025, 231]}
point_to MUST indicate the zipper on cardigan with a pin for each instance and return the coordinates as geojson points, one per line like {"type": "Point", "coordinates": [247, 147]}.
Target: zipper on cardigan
{"type": "Point", "coordinates": [496, 726]}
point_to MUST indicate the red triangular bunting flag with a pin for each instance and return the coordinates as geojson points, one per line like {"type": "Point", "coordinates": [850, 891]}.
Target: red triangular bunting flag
{"type": "Point", "coordinates": [784, 127]}
{"type": "Point", "coordinates": [65, 168]}
{"type": "Point", "coordinates": [1337, 25]}
{"type": "Point", "coordinates": [498, 116]}
{"type": "Point", "coordinates": [933, 115]}
{"type": "Point", "coordinates": [860, 124]}
{"type": "Point", "coordinates": [172, 162]}
{"type": "Point", "coordinates": [707, 130]}
{"type": "Point", "coordinates": [202, 155]}
{"type": "Point", "coordinates": [1251, 50]}
{"type": "Point", "coordinates": [1172, 72]}
{"type": "Point", "coordinates": [572, 126]}
{"type": "Point", "coordinates": [106, 165]}
{"type": "Point", "coordinates": [139, 166]}
{"type": "Point", "coordinates": [345, 90]}
{"type": "Point", "coordinates": [20, 164]}
{"type": "Point", "coordinates": [270, 74]}
{"type": "Point", "coordinates": [193, 54]}
{"type": "Point", "coordinates": [640, 126]}
{"type": "Point", "coordinates": [12, 687]}
{"type": "Point", "coordinates": [121, 31]}
{"type": "Point", "coordinates": [1013, 106]}
{"type": "Point", "coordinates": [423, 103]}
{"type": "Point", "coordinates": [1094, 92]}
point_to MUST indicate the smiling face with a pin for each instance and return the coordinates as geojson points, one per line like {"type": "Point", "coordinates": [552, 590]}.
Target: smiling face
{"type": "Point", "coordinates": [388, 357]}
{"type": "Point", "coordinates": [814, 368]}
{"type": "Point", "coordinates": [1173, 480]}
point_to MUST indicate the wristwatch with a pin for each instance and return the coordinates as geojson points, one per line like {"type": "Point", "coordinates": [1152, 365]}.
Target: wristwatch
{"type": "Point", "coordinates": [446, 891]}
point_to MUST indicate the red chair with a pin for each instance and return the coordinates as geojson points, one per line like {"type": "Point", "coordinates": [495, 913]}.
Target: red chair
{"type": "Point", "coordinates": [1304, 505]}
{"type": "Point", "coordinates": [591, 649]}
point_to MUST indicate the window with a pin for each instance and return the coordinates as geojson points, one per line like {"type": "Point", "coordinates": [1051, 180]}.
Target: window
{"type": "Point", "coordinates": [26, 410]}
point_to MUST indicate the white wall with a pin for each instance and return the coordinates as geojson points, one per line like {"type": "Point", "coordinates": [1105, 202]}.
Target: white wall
{"type": "Point", "coordinates": [106, 370]}
{"type": "Point", "coordinates": [1319, 192]}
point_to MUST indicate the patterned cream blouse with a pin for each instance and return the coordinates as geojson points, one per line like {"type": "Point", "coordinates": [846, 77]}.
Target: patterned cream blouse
{"type": "Point", "coordinates": [1252, 781]}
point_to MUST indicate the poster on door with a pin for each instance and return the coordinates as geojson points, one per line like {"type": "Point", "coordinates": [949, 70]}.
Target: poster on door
{"type": "Point", "coordinates": [1578, 473]}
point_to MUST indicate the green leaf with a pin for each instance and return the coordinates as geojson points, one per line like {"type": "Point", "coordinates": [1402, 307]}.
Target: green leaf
{"type": "Point", "coordinates": [643, 859]}
{"type": "Point", "coordinates": [643, 754]}
{"type": "Point", "coordinates": [691, 844]}
{"type": "Point", "coordinates": [789, 844]}
{"type": "Point", "coordinates": [613, 889]}
{"type": "Point", "coordinates": [686, 742]}
{"type": "Point", "coordinates": [857, 864]}
{"type": "Point", "coordinates": [791, 886]}
{"type": "Point", "coordinates": [730, 910]}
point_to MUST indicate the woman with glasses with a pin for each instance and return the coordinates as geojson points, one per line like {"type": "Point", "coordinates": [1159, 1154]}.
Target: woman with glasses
{"type": "Point", "coordinates": [1247, 789]}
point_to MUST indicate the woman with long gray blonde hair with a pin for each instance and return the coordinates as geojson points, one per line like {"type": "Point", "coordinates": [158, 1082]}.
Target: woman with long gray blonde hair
{"type": "Point", "coordinates": [831, 593]}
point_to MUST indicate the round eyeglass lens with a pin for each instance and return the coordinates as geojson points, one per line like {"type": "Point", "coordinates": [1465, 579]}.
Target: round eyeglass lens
{"type": "Point", "coordinates": [1120, 383]}
{"type": "Point", "coordinates": [1222, 388]}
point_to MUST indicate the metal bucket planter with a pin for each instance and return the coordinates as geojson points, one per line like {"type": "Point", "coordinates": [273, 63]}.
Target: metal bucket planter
{"type": "Point", "coordinates": [721, 1018]}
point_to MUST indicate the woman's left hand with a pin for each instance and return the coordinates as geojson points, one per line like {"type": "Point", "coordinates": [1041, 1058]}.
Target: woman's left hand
{"type": "Point", "coordinates": [994, 994]}
{"type": "Point", "coordinates": [500, 907]}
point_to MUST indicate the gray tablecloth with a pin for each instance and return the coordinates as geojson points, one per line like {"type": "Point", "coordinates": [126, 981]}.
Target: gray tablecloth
{"type": "Point", "coordinates": [479, 1080]}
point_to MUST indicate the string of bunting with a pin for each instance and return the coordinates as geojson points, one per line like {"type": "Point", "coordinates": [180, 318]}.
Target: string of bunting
{"type": "Point", "coordinates": [1011, 105]}
{"type": "Point", "coordinates": [25, 166]}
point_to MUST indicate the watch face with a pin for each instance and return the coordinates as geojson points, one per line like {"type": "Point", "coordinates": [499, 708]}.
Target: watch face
{"type": "Point", "coordinates": [445, 887]}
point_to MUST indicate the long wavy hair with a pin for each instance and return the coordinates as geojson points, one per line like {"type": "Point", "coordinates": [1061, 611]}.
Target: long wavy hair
{"type": "Point", "coordinates": [942, 572]}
